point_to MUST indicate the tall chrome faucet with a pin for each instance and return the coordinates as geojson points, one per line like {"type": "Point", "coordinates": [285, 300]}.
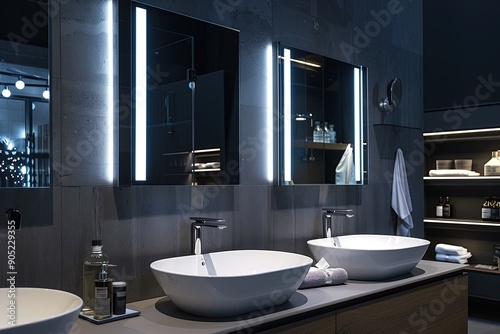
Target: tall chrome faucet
{"type": "Point", "coordinates": [196, 226]}
{"type": "Point", "coordinates": [328, 217]}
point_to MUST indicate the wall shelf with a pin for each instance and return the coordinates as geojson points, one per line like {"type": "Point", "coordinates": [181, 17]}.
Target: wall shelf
{"type": "Point", "coordinates": [460, 178]}
{"type": "Point", "coordinates": [320, 146]}
{"type": "Point", "coordinates": [462, 135]}
{"type": "Point", "coordinates": [467, 222]}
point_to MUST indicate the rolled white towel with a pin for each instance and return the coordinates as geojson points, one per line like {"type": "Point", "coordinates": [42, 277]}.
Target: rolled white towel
{"type": "Point", "coordinates": [336, 276]}
{"type": "Point", "coordinates": [450, 249]}
{"type": "Point", "coordinates": [315, 277]}
{"type": "Point", "coordinates": [453, 258]}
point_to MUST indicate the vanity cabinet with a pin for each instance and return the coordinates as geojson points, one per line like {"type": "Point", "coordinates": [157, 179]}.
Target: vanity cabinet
{"type": "Point", "coordinates": [438, 307]}
{"type": "Point", "coordinates": [320, 324]}
{"type": "Point", "coordinates": [433, 295]}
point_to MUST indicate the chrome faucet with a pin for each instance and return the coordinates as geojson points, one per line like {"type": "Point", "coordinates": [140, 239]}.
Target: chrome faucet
{"type": "Point", "coordinates": [196, 226]}
{"type": "Point", "coordinates": [328, 217]}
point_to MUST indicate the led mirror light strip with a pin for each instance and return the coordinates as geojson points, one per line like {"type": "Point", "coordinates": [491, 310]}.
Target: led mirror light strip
{"type": "Point", "coordinates": [302, 62]}
{"type": "Point", "coordinates": [140, 93]}
{"type": "Point", "coordinates": [287, 109]}
{"type": "Point", "coordinates": [110, 148]}
{"type": "Point", "coordinates": [358, 137]}
{"type": "Point", "coordinates": [269, 121]}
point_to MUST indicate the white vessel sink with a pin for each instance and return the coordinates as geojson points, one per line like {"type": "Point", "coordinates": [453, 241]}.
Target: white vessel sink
{"type": "Point", "coordinates": [229, 283]}
{"type": "Point", "coordinates": [370, 256]}
{"type": "Point", "coordinates": [36, 310]}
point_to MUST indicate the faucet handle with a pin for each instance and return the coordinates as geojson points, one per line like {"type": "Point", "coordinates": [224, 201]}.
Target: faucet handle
{"type": "Point", "coordinates": [206, 219]}
{"type": "Point", "coordinates": [349, 213]}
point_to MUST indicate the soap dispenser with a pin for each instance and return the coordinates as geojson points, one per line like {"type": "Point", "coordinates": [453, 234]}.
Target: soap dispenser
{"type": "Point", "coordinates": [103, 292]}
{"type": "Point", "coordinates": [91, 268]}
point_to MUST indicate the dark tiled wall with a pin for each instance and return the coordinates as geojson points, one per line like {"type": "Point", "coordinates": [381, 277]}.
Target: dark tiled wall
{"type": "Point", "coordinates": [141, 224]}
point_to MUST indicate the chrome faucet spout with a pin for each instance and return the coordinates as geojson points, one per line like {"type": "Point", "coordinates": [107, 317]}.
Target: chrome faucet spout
{"type": "Point", "coordinates": [328, 218]}
{"type": "Point", "coordinates": [197, 224]}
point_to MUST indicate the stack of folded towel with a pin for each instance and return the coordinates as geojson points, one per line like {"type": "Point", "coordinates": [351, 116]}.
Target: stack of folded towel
{"type": "Point", "coordinates": [321, 275]}
{"type": "Point", "coordinates": [452, 253]}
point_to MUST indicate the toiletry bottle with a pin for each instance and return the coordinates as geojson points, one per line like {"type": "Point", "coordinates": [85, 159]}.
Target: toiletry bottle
{"type": "Point", "coordinates": [498, 207]}
{"type": "Point", "coordinates": [494, 208]}
{"type": "Point", "coordinates": [486, 209]}
{"type": "Point", "coordinates": [103, 292]}
{"type": "Point", "coordinates": [492, 167]}
{"type": "Point", "coordinates": [326, 133]}
{"type": "Point", "coordinates": [119, 297]}
{"type": "Point", "coordinates": [91, 269]}
{"type": "Point", "coordinates": [318, 132]}
{"type": "Point", "coordinates": [447, 208]}
{"type": "Point", "coordinates": [439, 208]}
{"type": "Point", "coordinates": [333, 134]}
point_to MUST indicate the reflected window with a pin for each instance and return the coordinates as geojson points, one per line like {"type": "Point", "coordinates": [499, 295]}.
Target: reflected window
{"type": "Point", "coordinates": [25, 94]}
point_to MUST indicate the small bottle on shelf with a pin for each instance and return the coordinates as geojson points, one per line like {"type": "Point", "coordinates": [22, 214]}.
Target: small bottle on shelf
{"type": "Point", "coordinates": [326, 133]}
{"type": "Point", "coordinates": [447, 208]}
{"type": "Point", "coordinates": [492, 167]}
{"type": "Point", "coordinates": [486, 209]}
{"type": "Point", "coordinates": [317, 132]}
{"type": "Point", "coordinates": [439, 208]}
{"type": "Point", "coordinates": [494, 209]}
{"type": "Point", "coordinates": [333, 133]}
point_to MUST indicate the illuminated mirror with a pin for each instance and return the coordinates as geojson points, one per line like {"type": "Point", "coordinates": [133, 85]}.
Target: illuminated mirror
{"type": "Point", "coordinates": [179, 80]}
{"type": "Point", "coordinates": [323, 119]}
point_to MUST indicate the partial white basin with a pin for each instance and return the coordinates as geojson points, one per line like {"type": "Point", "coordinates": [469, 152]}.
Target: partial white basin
{"type": "Point", "coordinates": [36, 310]}
{"type": "Point", "coordinates": [230, 283]}
{"type": "Point", "coordinates": [370, 256]}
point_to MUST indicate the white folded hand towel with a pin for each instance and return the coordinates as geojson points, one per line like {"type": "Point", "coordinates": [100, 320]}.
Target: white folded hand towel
{"type": "Point", "coordinates": [317, 277]}
{"type": "Point", "coordinates": [452, 172]}
{"type": "Point", "coordinates": [450, 249]}
{"type": "Point", "coordinates": [453, 258]}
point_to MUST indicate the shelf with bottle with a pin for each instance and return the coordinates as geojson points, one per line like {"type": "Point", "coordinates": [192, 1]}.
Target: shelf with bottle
{"type": "Point", "coordinates": [462, 135]}
{"type": "Point", "coordinates": [207, 160]}
{"type": "Point", "coordinates": [487, 213]}
{"type": "Point", "coordinates": [440, 147]}
{"type": "Point", "coordinates": [321, 146]}
{"type": "Point", "coordinates": [324, 137]}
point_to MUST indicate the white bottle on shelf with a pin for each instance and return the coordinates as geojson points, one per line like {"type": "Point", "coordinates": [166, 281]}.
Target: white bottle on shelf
{"type": "Point", "coordinates": [317, 132]}
{"type": "Point", "coordinates": [326, 133]}
{"type": "Point", "coordinates": [333, 134]}
{"type": "Point", "coordinates": [492, 167]}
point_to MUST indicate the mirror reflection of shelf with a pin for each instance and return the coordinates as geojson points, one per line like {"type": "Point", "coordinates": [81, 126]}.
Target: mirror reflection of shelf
{"type": "Point", "coordinates": [320, 145]}
{"type": "Point", "coordinates": [207, 160]}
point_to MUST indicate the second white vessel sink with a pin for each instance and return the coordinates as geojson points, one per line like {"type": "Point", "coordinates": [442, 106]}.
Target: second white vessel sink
{"type": "Point", "coordinates": [229, 283]}
{"type": "Point", "coordinates": [370, 256]}
{"type": "Point", "coordinates": [37, 310]}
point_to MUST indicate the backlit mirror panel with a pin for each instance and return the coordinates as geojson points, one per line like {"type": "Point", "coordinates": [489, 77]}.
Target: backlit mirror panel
{"type": "Point", "coordinates": [182, 76]}
{"type": "Point", "coordinates": [323, 119]}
